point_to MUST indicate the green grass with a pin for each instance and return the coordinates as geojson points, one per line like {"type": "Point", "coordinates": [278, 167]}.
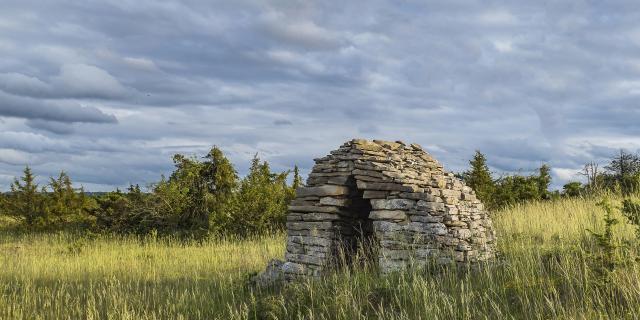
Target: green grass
{"type": "Point", "coordinates": [545, 272]}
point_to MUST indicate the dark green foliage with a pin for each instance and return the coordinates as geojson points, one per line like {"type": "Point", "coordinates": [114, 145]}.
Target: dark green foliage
{"type": "Point", "coordinates": [631, 211]}
{"type": "Point", "coordinates": [479, 178]}
{"type": "Point", "coordinates": [165, 210]}
{"type": "Point", "coordinates": [179, 205]}
{"type": "Point", "coordinates": [64, 204]}
{"type": "Point", "coordinates": [261, 202]}
{"type": "Point", "coordinates": [25, 202]}
{"type": "Point", "coordinates": [623, 173]}
{"type": "Point", "coordinates": [516, 188]}
{"type": "Point", "coordinates": [221, 179]}
{"type": "Point", "coordinates": [201, 197]}
{"type": "Point", "coordinates": [56, 205]}
{"type": "Point", "coordinates": [624, 164]}
{"type": "Point", "coordinates": [607, 259]}
{"type": "Point", "coordinates": [572, 189]}
{"type": "Point", "coordinates": [544, 181]}
{"type": "Point", "coordinates": [111, 209]}
{"type": "Point", "coordinates": [507, 190]}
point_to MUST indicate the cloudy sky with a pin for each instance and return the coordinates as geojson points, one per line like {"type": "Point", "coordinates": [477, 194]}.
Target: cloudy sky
{"type": "Point", "coordinates": [109, 90]}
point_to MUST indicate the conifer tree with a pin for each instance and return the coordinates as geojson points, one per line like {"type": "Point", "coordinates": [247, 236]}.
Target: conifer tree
{"type": "Point", "coordinates": [221, 179]}
{"type": "Point", "coordinates": [262, 200]}
{"type": "Point", "coordinates": [26, 201]}
{"type": "Point", "coordinates": [479, 178]}
{"type": "Point", "coordinates": [219, 173]}
{"type": "Point", "coordinates": [63, 201]}
{"type": "Point", "coordinates": [544, 181]}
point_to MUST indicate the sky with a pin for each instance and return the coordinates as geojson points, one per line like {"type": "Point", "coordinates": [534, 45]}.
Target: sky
{"type": "Point", "coordinates": [109, 90]}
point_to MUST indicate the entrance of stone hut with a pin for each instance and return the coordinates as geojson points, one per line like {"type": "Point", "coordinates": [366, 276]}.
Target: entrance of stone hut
{"type": "Point", "coordinates": [357, 229]}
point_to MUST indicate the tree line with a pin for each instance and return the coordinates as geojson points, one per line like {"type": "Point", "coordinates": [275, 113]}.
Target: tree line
{"type": "Point", "coordinates": [621, 175]}
{"type": "Point", "coordinates": [201, 196]}
{"type": "Point", "coordinates": [206, 196]}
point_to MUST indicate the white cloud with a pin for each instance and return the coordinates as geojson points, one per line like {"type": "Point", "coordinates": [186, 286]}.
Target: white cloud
{"type": "Point", "coordinates": [299, 31]}
{"type": "Point", "coordinates": [141, 63]}
{"type": "Point", "coordinates": [503, 45]}
{"type": "Point", "coordinates": [566, 174]}
{"type": "Point", "coordinates": [14, 157]}
{"type": "Point", "coordinates": [498, 17]}
{"type": "Point", "coordinates": [88, 81]}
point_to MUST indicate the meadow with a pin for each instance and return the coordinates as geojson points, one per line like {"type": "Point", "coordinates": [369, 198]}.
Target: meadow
{"type": "Point", "coordinates": [547, 269]}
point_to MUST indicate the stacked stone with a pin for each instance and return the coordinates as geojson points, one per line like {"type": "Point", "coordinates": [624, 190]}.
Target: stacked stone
{"type": "Point", "coordinates": [416, 211]}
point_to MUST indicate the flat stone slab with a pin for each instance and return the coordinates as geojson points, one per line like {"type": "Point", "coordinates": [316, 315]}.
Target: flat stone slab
{"type": "Point", "coordinates": [388, 215]}
{"type": "Point", "coordinates": [321, 191]}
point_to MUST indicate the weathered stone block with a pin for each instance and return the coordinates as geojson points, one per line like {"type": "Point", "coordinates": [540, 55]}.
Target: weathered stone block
{"type": "Point", "coordinates": [341, 181]}
{"type": "Point", "coordinates": [338, 202]}
{"type": "Point", "coordinates": [374, 194]}
{"type": "Point", "coordinates": [388, 215]}
{"type": "Point", "coordinates": [309, 225]}
{"type": "Point", "coordinates": [370, 173]}
{"type": "Point", "coordinates": [321, 191]}
{"type": "Point", "coordinates": [320, 216]}
{"type": "Point", "coordinates": [383, 186]}
{"type": "Point", "coordinates": [305, 259]}
{"type": "Point", "coordinates": [325, 209]}
{"type": "Point", "coordinates": [386, 226]}
{"type": "Point", "coordinates": [392, 204]}
{"type": "Point", "coordinates": [425, 218]}
{"type": "Point", "coordinates": [429, 206]}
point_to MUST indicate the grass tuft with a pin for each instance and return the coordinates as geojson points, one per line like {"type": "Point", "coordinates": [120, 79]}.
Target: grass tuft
{"type": "Point", "coordinates": [545, 271]}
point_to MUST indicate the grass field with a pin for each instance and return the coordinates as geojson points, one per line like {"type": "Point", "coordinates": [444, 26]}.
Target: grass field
{"type": "Point", "coordinates": [545, 272]}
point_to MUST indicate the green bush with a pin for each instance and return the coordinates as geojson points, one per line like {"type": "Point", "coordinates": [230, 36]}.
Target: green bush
{"type": "Point", "coordinates": [200, 198]}
{"type": "Point", "coordinates": [55, 206]}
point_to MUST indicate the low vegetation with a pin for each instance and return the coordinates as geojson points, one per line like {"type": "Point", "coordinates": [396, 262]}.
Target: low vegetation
{"type": "Point", "coordinates": [204, 197]}
{"type": "Point", "coordinates": [201, 198]}
{"type": "Point", "coordinates": [187, 246]}
{"type": "Point", "coordinates": [550, 267]}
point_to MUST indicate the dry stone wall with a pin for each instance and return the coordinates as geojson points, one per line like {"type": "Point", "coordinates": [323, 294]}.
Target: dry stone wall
{"type": "Point", "coordinates": [388, 196]}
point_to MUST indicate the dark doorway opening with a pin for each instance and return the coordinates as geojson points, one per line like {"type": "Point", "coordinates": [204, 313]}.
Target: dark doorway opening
{"type": "Point", "coordinates": [360, 246]}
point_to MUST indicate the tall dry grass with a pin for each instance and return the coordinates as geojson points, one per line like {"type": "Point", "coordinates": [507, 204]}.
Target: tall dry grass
{"type": "Point", "coordinates": [545, 271]}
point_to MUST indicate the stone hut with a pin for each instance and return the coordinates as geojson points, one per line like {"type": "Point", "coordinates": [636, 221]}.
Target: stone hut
{"type": "Point", "coordinates": [388, 195]}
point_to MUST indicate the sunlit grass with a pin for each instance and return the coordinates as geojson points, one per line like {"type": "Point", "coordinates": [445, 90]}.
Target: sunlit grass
{"type": "Point", "coordinates": [544, 272]}
{"type": "Point", "coordinates": [61, 276]}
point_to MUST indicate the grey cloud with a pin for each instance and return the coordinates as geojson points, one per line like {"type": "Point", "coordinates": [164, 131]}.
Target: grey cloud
{"type": "Point", "coordinates": [11, 106]}
{"type": "Point", "coordinates": [23, 85]}
{"type": "Point", "coordinates": [73, 81]}
{"type": "Point", "coordinates": [282, 122]}
{"type": "Point", "coordinates": [51, 126]}
{"type": "Point", "coordinates": [523, 82]}
{"type": "Point", "coordinates": [300, 32]}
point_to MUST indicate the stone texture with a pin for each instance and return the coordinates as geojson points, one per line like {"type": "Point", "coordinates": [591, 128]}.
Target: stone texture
{"type": "Point", "coordinates": [387, 194]}
{"type": "Point", "coordinates": [388, 215]}
{"type": "Point", "coordinates": [392, 204]}
{"type": "Point", "coordinates": [320, 191]}
{"type": "Point", "coordinates": [329, 201]}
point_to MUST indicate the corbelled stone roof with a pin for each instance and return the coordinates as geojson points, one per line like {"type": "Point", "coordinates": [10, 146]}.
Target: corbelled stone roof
{"type": "Point", "coordinates": [390, 195]}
